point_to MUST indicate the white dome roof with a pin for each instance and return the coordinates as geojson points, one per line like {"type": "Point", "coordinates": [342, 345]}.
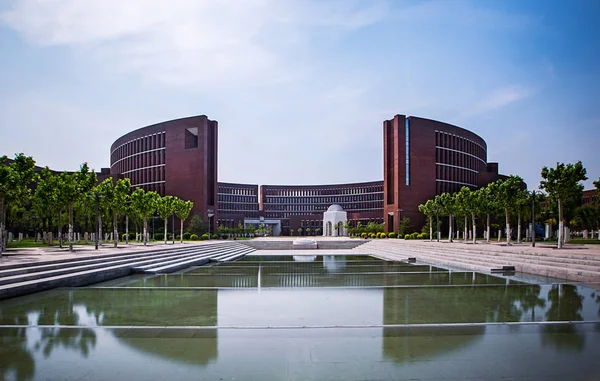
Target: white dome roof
{"type": "Point", "coordinates": [335, 208]}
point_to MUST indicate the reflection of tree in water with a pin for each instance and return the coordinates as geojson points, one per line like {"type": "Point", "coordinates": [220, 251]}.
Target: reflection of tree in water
{"type": "Point", "coordinates": [20, 359]}
{"type": "Point", "coordinates": [436, 305]}
{"type": "Point", "coordinates": [529, 298]}
{"type": "Point", "coordinates": [565, 305]}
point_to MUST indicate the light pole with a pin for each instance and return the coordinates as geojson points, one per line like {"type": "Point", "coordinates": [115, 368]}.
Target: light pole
{"type": "Point", "coordinates": [533, 218]}
{"type": "Point", "coordinates": [211, 213]}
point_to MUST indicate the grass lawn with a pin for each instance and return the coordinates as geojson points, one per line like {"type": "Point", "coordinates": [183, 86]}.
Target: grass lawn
{"type": "Point", "coordinates": [585, 241]}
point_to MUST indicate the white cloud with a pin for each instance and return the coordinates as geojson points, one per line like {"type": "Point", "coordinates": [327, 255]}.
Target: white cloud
{"type": "Point", "coordinates": [191, 42]}
{"type": "Point", "coordinates": [498, 99]}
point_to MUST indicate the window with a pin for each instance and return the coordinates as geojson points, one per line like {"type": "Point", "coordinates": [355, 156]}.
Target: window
{"type": "Point", "coordinates": [191, 137]}
{"type": "Point", "coordinates": [407, 133]}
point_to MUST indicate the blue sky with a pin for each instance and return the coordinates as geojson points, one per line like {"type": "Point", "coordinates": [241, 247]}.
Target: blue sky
{"type": "Point", "coordinates": [301, 88]}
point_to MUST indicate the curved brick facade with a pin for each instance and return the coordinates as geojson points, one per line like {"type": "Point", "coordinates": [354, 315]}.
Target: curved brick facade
{"type": "Point", "coordinates": [422, 158]}
{"type": "Point", "coordinates": [178, 157]}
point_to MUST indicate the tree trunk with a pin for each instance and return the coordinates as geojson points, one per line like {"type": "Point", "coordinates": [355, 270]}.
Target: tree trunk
{"type": "Point", "coordinates": [115, 230]}
{"type": "Point", "coordinates": [561, 226]}
{"type": "Point", "coordinates": [60, 229]}
{"type": "Point", "coordinates": [166, 231]}
{"type": "Point", "coordinates": [466, 237]}
{"type": "Point", "coordinates": [519, 228]}
{"type": "Point", "coordinates": [430, 228]}
{"type": "Point", "coordinates": [126, 230]}
{"type": "Point", "coordinates": [507, 226]}
{"type": "Point", "coordinates": [487, 235]}
{"type": "Point", "coordinates": [1, 225]}
{"type": "Point", "coordinates": [450, 228]}
{"type": "Point", "coordinates": [99, 232]}
{"type": "Point", "coordinates": [145, 231]}
{"type": "Point", "coordinates": [474, 227]}
{"type": "Point", "coordinates": [70, 226]}
{"type": "Point", "coordinates": [181, 231]}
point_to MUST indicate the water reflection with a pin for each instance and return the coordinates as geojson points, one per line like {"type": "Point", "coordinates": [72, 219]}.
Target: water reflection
{"type": "Point", "coordinates": [480, 299]}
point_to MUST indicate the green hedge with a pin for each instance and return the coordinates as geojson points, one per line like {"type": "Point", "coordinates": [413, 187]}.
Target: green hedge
{"type": "Point", "coordinates": [159, 236]}
{"type": "Point", "coordinates": [204, 237]}
{"type": "Point", "coordinates": [392, 235]}
{"type": "Point", "coordinates": [215, 236]}
{"type": "Point", "coordinates": [194, 237]}
{"type": "Point", "coordinates": [187, 236]}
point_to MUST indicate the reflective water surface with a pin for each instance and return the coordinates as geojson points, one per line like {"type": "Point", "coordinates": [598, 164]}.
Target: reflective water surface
{"type": "Point", "coordinates": [289, 318]}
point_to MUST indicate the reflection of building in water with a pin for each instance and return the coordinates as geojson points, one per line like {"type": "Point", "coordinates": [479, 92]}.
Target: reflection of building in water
{"type": "Point", "coordinates": [334, 263]}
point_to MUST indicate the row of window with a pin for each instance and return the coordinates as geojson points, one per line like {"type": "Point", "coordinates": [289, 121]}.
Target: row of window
{"type": "Point", "coordinates": [237, 206]}
{"type": "Point", "coordinates": [237, 199]}
{"type": "Point", "coordinates": [135, 146]}
{"type": "Point", "coordinates": [450, 187]}
{"type": "Point", "coordinates": [324, 200]}
{"type": "Point", "coordinates": [459, 143]}
{"type": "Point", "coordinates": [322, 192]}
{"type": "Point", "coordinates": [447, 173]}
{"type": "Point", "coordinates": [140, 160]}
{"type": "Point", "coordinates": [238, 191]}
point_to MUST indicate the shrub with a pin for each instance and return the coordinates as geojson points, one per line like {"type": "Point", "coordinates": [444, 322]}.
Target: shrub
{"type": "Point", "coordinates": [372, 235]}
{"type": "Point", "coordinates": [365, 235]}
{"type": "Point", "coordinates": [414, 235]}
{"type": "Point", "coordinates": [177, 237]}
{"type": "Point", "coordinates": [383, 235]}
{"type": "Point", "coordinates": [215, 236]}
{"type": "Point", "coordinates": [204, 237]}
{"type": "Point", "coordinates": [407, 236]}
{"type": "Point", "coordinates": [194, 237]}
{"type": "Point", "coordinates": [392, 235]}
{"type": "Point", "coordinates": [421, 236]}
{"type": "Point", "coordinates": [131, 235]}
{"type": "Point", "coordinates": [187, 236]}
{"type": "Point", "coordinates": [159, 236]}
{"type": "Point", "coordinates": [169, 236]}
{"type": "Point", "coordinates": [223, 236]}
{"type": "Point", "coordinates": [123, 237]}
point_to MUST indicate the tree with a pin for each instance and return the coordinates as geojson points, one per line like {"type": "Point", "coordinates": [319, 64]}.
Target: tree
{"type": "Point", "coordinates": [468, 202]}
{"type": "Point", "coordinates": [299, 231]}
{"type": "Point", "coordinates": [448, 206]}
{"type": "Point", "coordinates": [182, 210]}
{"type": "Point", "coordinates": [506, 194]}
{"type": "Point", "coordinates": [428, 209]}
{"type": "Point", "coordinates": [71, 188]}
{"type": "Point", "coordinates": [318, 231]}
{"type": "Point", "coordinates": [45, 199]}
{"type": "Point", "coordinates": [196, 225]}
{"type": "Point", "coordinates": [562, 185]}
{"type": "Point", "coordinates": [488, 205]}
{"type": "Point", "coordinates": [14, 180]}
{"type": "Point", "coordinates": [522, 206]}
{"type": "Point", "coordinates": [116, 198]}
{"type": "Point", "coordinates": [144, 204]}
{"type": "Point", "coordinates": [165, 207]}
{"type": "Point", "coordinates": [307, 231]}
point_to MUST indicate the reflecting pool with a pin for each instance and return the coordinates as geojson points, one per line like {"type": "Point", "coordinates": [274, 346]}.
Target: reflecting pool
{"type": "Point", "coordinates": [309, 318]}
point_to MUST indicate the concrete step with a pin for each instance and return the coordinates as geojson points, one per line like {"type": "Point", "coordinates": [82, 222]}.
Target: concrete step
{"type": "Point", "coordinates": [176, 264]}
{"type": "Point", "coordinates": [494, 258]}
{"type": "Point", "coordinates": [163, 268]}
{"type": "Point", "coordinates": [228, 257]}
{"type": "Point", "coordinates": [51, 265]}
{"type": "Point", "coordinates": [565, 272]}
{"type": "Point", "coordinates": [67, 267]}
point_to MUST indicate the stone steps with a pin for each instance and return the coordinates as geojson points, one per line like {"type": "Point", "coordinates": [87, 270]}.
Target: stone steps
{"type": "Point", "coordinates": [83, 272]}
{"type": "Point", "coordinates": [502, 259]}
{"type": "Point", "coordinates": [556, 266]}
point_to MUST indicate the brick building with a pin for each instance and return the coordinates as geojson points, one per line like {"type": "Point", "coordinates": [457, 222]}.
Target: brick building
{"type": "Point", "coordinates": [422, 158]}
